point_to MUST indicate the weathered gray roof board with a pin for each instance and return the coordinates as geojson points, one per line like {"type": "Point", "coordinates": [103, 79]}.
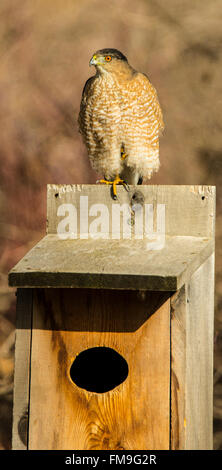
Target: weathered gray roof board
{"type": "Point", "coordinates": [125, 263]}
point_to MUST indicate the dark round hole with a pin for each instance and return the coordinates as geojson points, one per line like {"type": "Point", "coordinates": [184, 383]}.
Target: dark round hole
{"type": "Point", "coordinates": [99, 369]}
{"type": "Point", "coordinates": [203, 197]}
{"type": "Point", "coordinates": [56, 194]}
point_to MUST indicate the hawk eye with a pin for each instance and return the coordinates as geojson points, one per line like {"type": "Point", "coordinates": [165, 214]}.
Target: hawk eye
{"type": "Point", "coordinates": [108, 58]}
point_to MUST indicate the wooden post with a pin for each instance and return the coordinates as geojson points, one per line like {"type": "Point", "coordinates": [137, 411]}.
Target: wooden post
{"type": "Point", "coordinates": [125, 300]}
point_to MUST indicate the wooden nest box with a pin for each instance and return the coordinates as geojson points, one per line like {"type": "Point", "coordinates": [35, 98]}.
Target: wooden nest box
{"type": "Point", "coordinates": [114, 342]}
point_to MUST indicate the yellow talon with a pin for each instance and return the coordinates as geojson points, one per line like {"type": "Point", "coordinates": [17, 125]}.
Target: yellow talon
{"type": "Point", "coordinates": [104, 181]}
{"type": "Point", "coordinates": [123, 154]}
{"type": "Point", "coordinates": [116, 181]}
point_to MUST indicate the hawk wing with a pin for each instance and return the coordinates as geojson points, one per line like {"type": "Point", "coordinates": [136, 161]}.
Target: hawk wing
{"type": "Point", "coordinates": [87, 91]}
{"type": "Point", "coordinates": [153, 99]}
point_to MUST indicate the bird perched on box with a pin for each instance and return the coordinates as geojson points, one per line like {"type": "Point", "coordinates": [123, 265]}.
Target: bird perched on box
{"type": "Point", "coordinates": [120, 120]}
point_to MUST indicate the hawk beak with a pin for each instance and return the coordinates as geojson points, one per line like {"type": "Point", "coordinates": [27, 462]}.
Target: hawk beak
{"type": "Point", "coordinates": [93, 61]}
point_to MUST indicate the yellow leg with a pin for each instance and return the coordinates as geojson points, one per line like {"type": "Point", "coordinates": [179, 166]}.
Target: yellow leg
{"type": "Point", "coordinates": [123, 154]}
{"type": "Point", "coordinates": [116, 181]}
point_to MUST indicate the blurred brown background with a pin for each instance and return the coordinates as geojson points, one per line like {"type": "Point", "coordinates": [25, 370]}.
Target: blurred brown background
{"type": "Point", "coordinates": [45, 47]}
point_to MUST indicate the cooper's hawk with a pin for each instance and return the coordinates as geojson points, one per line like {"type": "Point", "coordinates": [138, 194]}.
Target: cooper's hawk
{"type": "Point", "coordinates": [120, 120]}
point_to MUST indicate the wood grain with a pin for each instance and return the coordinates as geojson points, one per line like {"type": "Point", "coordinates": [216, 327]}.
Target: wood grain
{"type": "Point", "coordinates": [22, 369]}
{"type": "Point", "coordinates": [200, 326]}
{"type": "Point", "coordinates": [166, 400]}
{"type": "Point", "coordinates": [105, 263]}
{"type": "Point", "coordinates": [192, 313]}
{"type": "Point", "coordinates": [190, 209]}
{"type": "Point", "coordinates": [111, 264]}
{"type": "Point", "coordinates": [178, 368]}
{"type": "Point", "coordinates": [135, 414]}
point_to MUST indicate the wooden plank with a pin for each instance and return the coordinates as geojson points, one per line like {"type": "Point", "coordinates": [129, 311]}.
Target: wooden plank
{"type": "Point", "coordinates": [135, 414]}
{"type": "Point", "coordinates": [117, 264]}
{"type": "Point", "coordinates": [192, 312]}
{"type": "Point", "coordinates": [189, 210]}
{"type": "Point", "coordinates": [200, 325]}
{"type": "Point", "coordinates": [178, 368]}
{"type": "Point", "coordinates": [22, 368]}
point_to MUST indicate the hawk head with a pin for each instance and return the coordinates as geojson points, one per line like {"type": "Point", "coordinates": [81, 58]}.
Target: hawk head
{"type": "Point", "coordinates": [108, 59]}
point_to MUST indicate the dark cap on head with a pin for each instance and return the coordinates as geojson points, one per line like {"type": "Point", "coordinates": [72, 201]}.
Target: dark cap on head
{"type": "Point", "coordinates": [112, 52]}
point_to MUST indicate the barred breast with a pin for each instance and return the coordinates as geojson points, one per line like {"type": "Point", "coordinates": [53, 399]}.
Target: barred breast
{"type": "Point", "coordinates": [99, 123]}
{"type": "Point", "coordinates": [117, 113]}
{"type": "Point", "coordinates": [141, 123]}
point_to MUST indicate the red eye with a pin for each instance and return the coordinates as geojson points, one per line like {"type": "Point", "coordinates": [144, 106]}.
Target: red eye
{"type": "Point", "coordinates": [108, 58]}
